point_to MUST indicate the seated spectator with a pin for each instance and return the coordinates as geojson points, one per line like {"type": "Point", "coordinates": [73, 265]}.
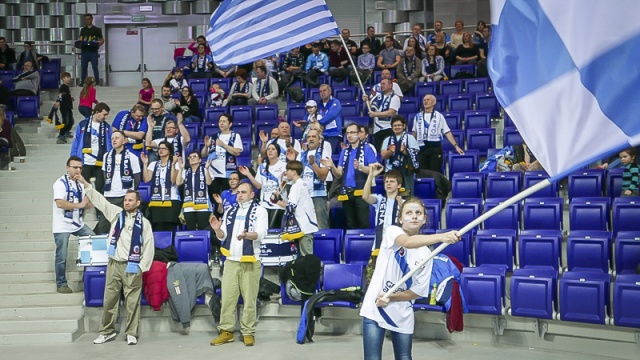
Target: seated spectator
{"type": "Point", "coordinates": [240, 90]}
{"type": "Point", "coordinates": [413, 43]}
{"type": "Point", "coordinates": [217, 96]}
{"type": "Point", "coordinates": [530, 162]}
{"type": "Point", "coordinates": [316, 66]}
{"type": "Point", "coordinates": [443, 49]}
{"type": "Point", "coordinates": [189, 106]}
{"type": "Point", "coordinates": [265, 90]}
{"type": "Point", "coordinates": [225, 72]}
{"type": "Point", "coordinates": [432, 65]}
{"type": "Point", "coordinates": [292, 69]}
{"type": "Point", "coordinates": [7, 55]}
{"type": "Point", "coordinates": [630, 175]}
{"type": "Point", "coordinates": [386, 74]}
{"type": "Point", "coordinates": [478, 34]}
{"type": "Point", "coordinates": [272, 65]}
{"type": "Point", "coordinates": [338, 61]}
{"type": "Point", "coordinates": [325, 46]}
{"type": "Point", "coordinates": [418, 37]}
{"type": "Point", "coordinates": [456, 37]}
{"type": "Point", "coordinates": [178, 81]}
{"type": "Point", "coordinates": [408, 71]}
{"type": "Point", "coordinates": [29, 54]}
{"type": "Point", "coordinates": [437, 27]}
{"type": "Point", "coordinates": [396, 44]}
{"type": "Point", "coordinates": [467, 53]}
{"type": "Point", "coordinates": [146, 94]}
{"type": "Point", "coordinates": [400, 151]}
{"type": "Point", "coordinates": [306, 50]}
{"type": "Point", "coordinates": [28, 82]}
{"type": "Point", "coordinates": [389, 57]}
{"type": "Point", "coordinates": [352, 47]}
{"type": "Point", "coordinates": [201, 64]}
{"type": "Point", "coordinates": [199, 40]}
{"type": "Point", "coordinates": [374, 44]}
{"type": "Point", "coordinates": [168, 102]}
{"type": "Point", "coordinates": [365, 66]}
{"type": "Point", "coordinates": [253, 74]}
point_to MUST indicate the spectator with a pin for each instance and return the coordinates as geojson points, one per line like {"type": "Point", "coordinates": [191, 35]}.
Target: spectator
{"type": "Point", "coordinates": [4, 96]}
{"type": "Point", "coordinates": [312, 118]}
{"type": "Point", "coordinates": [366, 65]}
{"type": "Point", "coordinates": [92, 40]}
{"type": "Point", "coordinates": [168, 103]}
{"type": "Point", "coordinates": [69, 202]}
{"type": "Point", "coordinates": [157, 120]}
{"type": "Point", "coordinates": [225, 72]}
{"type": "Point", "coordinates": [217, 96]}
{"type": "Point", "coordinates": [478, 34]}
{"type": "Point", "coordinates": [338, 61]}
{"type": "Point", "coordinates": [467, 53]}
{"type": "Point", "coordinates": [201, 64]}
{"type": "Point", "coordinates": [5, 130]}
{"type": "Point", "coordinates": [146, 94]}
{"type": "Point", "coordinates": [331, 110]}
{"type": "Point", "coordinates": [306, 50]}
{"type": "Point", "coordinates": [352, 47]}
{"type": "Point", "coordinates": [630, 174]}
{"type": "Point", "coordinates": [317, 65]}
{"type": "Point", "coordinates": [292, 69]}
{"type": "Point", "coordinates": [389, 57]}
{"type": "Point", "coordinates": [396, 44]}
{"type": "Point", "coordinates": [131, 123]}
{"type": "Point", "coordinates": [531, 163]}
{"type": "Point", "coordinates": [199, 40]}
{"type": "Point", "coordinates": [242, 229]}
{"type": "Point", "coordinates": [400, 152]}
{"type": "Point", "coordinates": [443, 48]}
{"type": "Point", "coordinates": [284, 141]}
{"type": "Point", "coordinates": [240, 90]}
{"type": "Point", "coordinates": [456, 38]}
{"type": "Point", "coordinates": [408, 71]}
{"type": "Point", "coordinates": [29, 54]}
{"type": "Point", "coordinates": [87, 97]}
{"type": "Point", "coordinates": [91, 142]}
{"type": "Point", "coordinates": [437, 29]}
{"type": "Point", "coordinates": [386, 74]}
{"type": "Point", "coordinates": [174, 133]}
{"type": "Point", "coordinates": [413, 43]}
{"type": "Point", "coordinates": [165, 204]}
{"type": "Point", "coordinates": [222, 150]}
{"type": "Point", "coordinates": [227, 198]}
{"type": "Point", "coordinates": [374, 44]}
{"type": "Point", "coordinates": [363, 135]}
{"type": "Point", "coordinates": [121, 170]}
{"type": "Point", "coordinates": [189, 106]}
{"type": "Point", "coordinates": [429, 126]}
{"type": "Point", "coordinates": [28, 82]}
{"type": "Point", "coordinates": [272, 65]}
{"type": "Point", "coordinates": [383, 107]}
{"type": "Point", "coordinates": [484, 53]}
{"type": "Point", "coordinates": [178, 82]}
{"type": "Point", "coordinates": [432, 65]}
{"type": "Point", "coordinates": [7, 55]}
{"type": "Point", "coordinates": [325, 45]}
{"type": "Point", "coordinates": [355, 162]}
{"type": "Point", "coordinates": [265, 90]}
{"type": "Point", "coordinates": [195, 177]}
{"type": "Point", "coordinates": [417, 35]}
{"type": "Point", "coordinates": [65, 104]}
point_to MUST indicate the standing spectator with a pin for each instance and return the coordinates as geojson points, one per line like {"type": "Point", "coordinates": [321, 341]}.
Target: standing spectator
{"type": "Point", "coordinates": [386, 74]}
{"type": "Point", "coordinates": [178, 82]}
{"type": "Point", "coordinates": [484, 52]}
{"type": "Point", "coordinates": [478, 34]}
{"type": "Point", "coordinates": [69, 202]}
{"type": "Point", "coordinates": [5, 130]}
{"type": "Point", "coordinates": [29, 54]}
{"type": "Point", "coordinates": [429, 127]}
{"type": "Point", "coordinates": [432, 65]}
{"type": "Point", "coordinates": [437, 27]}
{"type": "Point", "coordinates": [283, 141]}
{"type": "Point", "coordinates": [7, 55]}
{"type": "Point", "coordinates": [174, 132]}
{"type": "Point", "coordinates": [408, 71]}
{"type": "Point", "coordinates": [630, 174]}
{"type": "Point", "coordinates": [355, 162]}
{"type": "Point", "coordinates": [130, 254]}
{"type": "Point", "coordinates": [199, 40]}
{"type": "Point", "coordinates": [87, 97]}
{"type": "Point", "coordinates": [400, 152]}
{"type": "Point", "coordinates": [222, 151]}
{"type": "Point", "coordinates": [316, 66]}
{"type": "Point", "coordinates": [467, 53]}
{"type": "Point", "coordinates": [165, 204]}
{"type": "Point", "coordinates": [91, 142]}
{"type": "Point", "coordinates": [227, 198]}
{"type": "Point", "coordinates": [195, 177]}
{"type": "Point", "coordinates": [383, 106]}
{"type": "Point", "coordinates": [201, 64]}
{"type": "Point", "coordinates": [240, 90]}
{"type": "Point", "coordinates": [374, 44]}
{"type": "Point", "coordinates": [352, 47]}
{"type": "Point", "coordinates": [121, 170]}
{"type": "Point", "coordinates": [417, 35]}
{"type": "Point", "coordinates": [389, 57]}
{"type": "Point", "coordinates": [366, 65]}
{"type": "Point", "coordinates": [132, 124]}
{"type": "Point", "coordinates": [92, 36]}
{"type": "Point", "coordinates": [418, 51]}
{"type": "Point", "coordinates": [65, 104]}
{"type": "Point", "coordinates": [157, 120]}
{"type": "Point", "coordinates": [146, 94]}
{"type": "Point", "coordinates": [456, 38]}
{"type": "Point", "coordinates": [331, 110]}
{"type": "Point", "coordinates": [241, 231]}
{"type": "Point", "coordinates": [189, 106]}
{"type": "Point", "coordinates": [28, 82]}
{"type": "Point", "coordinates": [292, 69]}
{"type": "Point", "coordinates": [265, 90]}
{"type": "Point", "coordinates": [444, 49]}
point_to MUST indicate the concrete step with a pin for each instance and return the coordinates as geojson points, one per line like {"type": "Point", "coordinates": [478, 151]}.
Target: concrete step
{"type": "Point", "coordinates": [42, 326]}
{"type": "Point", "coordinates": [26, 226]}
{"type": "Point", "coordinates": [30, 300]}
{"type": "Point", "coordinates": [40, 338]}
{"type": "Point", "coordinates": [28, 256]}
{"type": "Point", "coordinates": [74, 275]}
{"type": "Point", "coordinates": [28, 288]}
{"type": "Point", "coordinates": [28, 218]}
{"type": "Point", "coordinates": [23, 267]}
{"type": "Point", "coordinates": [47, 245]}
{"type": "Point", "coordinates": [39, 234]}
{"type": "Point", "coordinates": [36, 207]}
{"type": "Point", "coordinates": [43, 312]}
{"type": "Point", "coordinates": [25, 196]}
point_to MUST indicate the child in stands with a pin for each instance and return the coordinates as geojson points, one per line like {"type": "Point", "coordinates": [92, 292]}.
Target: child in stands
{"type": "Point", "coordinates": [630, 174]}
{"type": "Point", "coordinates": [87, 97]}
{"type": "Point", "coordinates": [216, 95]}
{"type": "Point", "coordinates": [146, 94]}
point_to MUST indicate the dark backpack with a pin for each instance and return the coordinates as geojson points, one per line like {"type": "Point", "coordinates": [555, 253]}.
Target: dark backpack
{"type": "Point", "coordinates": [296, 94]}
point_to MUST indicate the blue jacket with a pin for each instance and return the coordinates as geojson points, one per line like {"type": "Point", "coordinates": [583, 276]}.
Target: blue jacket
{"type": "Point", "coordinates": [76, 147]}
{"type": "Point", "coordinates": [332, 112]}
{"type": "Point", "coordinates": [320, 62]}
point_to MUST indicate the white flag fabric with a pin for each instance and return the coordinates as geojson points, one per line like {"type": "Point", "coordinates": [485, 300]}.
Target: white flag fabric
{"type": "Point", "coordinates": [568, 74]}
{"type": "Point", "coordinates": [242, 31]}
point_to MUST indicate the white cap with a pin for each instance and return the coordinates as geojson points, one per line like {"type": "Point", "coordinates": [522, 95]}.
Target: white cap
{"type": "Point", "coordinates": [311, 103]}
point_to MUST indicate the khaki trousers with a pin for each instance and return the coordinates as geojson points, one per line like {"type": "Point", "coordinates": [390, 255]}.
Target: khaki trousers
{"type": "Point", "coordinates": [239, 279]}
{"type": "Point", "coordinates": [118, 279]}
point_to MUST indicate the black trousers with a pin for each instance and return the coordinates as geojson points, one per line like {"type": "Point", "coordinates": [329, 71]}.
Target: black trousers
{"type": "Point", "coordinates": [90, 171]}
{"type": "Point", "coordinates": [356, 211]}
{"type": "Point", "coordinates": [378, 138]}
{"type": "Point", "coordinates": [197, 220]}
{"type": "Point", "coordinates": [103, 225]}
{"type": "Point", "coordinates": [430, 158]}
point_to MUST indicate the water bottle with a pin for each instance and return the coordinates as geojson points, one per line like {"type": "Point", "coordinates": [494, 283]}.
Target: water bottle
{"type": "Point", "coordinates": [432, 298]}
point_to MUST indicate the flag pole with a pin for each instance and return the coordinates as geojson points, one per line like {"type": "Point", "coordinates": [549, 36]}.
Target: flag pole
{"type": "Point", "coordinates": [354, 69]}
{"type": "Point", "coordinates": [512, 200]}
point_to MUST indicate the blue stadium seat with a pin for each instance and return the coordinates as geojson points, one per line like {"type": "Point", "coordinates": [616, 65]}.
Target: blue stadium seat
{"type": "Point", "coordinates": [463, 163]}
{"type": "Point", "coordinates": [533, 177]}
{"type": "Point", "coordinates": [199, 86]}
{"type": "Point", "coordinates": [484, 289]}
{"type": "Point", "coordinates": [424, 188]}
{"type": "Point", "coordinates": [305, 93]}
{"type": "Point", "coordinates": [335, 83]}
{"type": "Point", "coordinates": [357, 245]}
{"type": "Point", "coordinates": [351, 108]}
{"type": "Point", "coordinates": [27, 106]}
{"type": "Point", "coordinates": [481, 139]}
{"type": "Point", "coordinates": [296, 112]}
{"type": "Point", "coordinates": [49, 79]}
{"type": "Point", "coordinates": [54, 64]}
{"type": "Point", "coordinates": [434, 213]}
{"type": "Point", "coordinates": [244, 161]}
{"type": "Point", "coordinates": [589, 250]}
{"type": "Point", "coordinates": [246, 147]}
{"type": "Point", "coordinates": [193, 246]}
{"type": "Point", "coordinates": [454, 119]}
{"type": "Point", "coordinates": [540, 249]}
{"type": "Point", "coordinates": [314, 94]}
{"type": "Point", "coordinates": [477, 119]}
{"type": "Point", "coordinates": [341, 276]}
{"type": "Point", "coordinates": [182, 61]}
{"type": "Point", "coordinates": [586, 183]}
{"type": "Point", "coordinates": [460, 250]}
{"type": "Point", "coordinates": [94, 282]}
{"type": "Point", "coordinates": [508, 122]}
{"type": "Point", "coordinates": [511, 136]}
{"type": "Point", "coordinates": [508, 218]}
{"type": "Point", "coordinates": [542, 214]}
{"type": "Point", "coordinates": [487, 101]}
{"type": "Point", "coordinates": [410, 105]}
{"type": "Point", "coordinates": [241, 113]}
{"type": "Point", "coordinates": [266, 126]}
{"type": "Point", "coordinates": [496, 247]}
{"type": "Point", "coordinates": [533, 293]}
{"type": "Point", "coordinates": [344, 94]}
{"type": "Point", "coordinates": [589, 213]}
{"type": "Point", "coordinates": [449, 87]}
{"type": "Point", "coordinates": [242, 128]}
{"type": "Point", "coordinates": [503, 184]}
{"type": "Point", "coordinates": [6, 76]}
{"type": "Point", "coordinates": [337, 218]}
{"type": "Point", "coordinates": [360, 120]}
{"type": "Point", "coordinates": [327, 245]}
{"type": "Point", "coordinates": [614, 182]}
{"type": "Point", "coordinates": [424, 88]}
{"type": "Point", "coordinates": [145, 192]}
{"type": "Point", "coordinates": [224, 83]}
{"type": "Point", "coordinates": [193, 129]}
{"type": "Point", "coordinates": [266, 112]}
{"type": "Point", "coordinates": [162, 239]}
{"type": "Point", "coordinates": [626, 297]}
{"type": "Point", "coordinates": [459, 102]}
{"type": "Point", "coordinates": [441, 103]}
{"type": "Point", "coordinates": [476, 85]}
{"type": "Point", "coordinates": [466, 67]}
{"type": "Point", "coordinates": [460, 212]}
{"type": "Point", "coordinates": [625, 214]}
{"type": "Point", "coordinates": [447, 147]}
{"type": "Point", "coordinates": [11, 117]}
{"type": "Point", "coordinates": [584, 297]}
{"type": "Point", "coordinates": [210, 129]}
{"type": "Point", "coordinates": [627, 252]}
{"type": "Point", "coordinates": [212, 114]}
{"type": "Point", "coordinates": [284, 297]}
{"type": "Point", "coordinates": [467, 185]}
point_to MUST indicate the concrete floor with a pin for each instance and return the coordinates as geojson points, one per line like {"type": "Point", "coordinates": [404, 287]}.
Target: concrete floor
{"type": "Point", "coordinates": [269, 345]}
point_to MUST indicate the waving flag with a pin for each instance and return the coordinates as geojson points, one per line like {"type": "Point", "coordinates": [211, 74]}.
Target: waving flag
{"type": "Point", "coordinates": [242, 31]}
{"type": "Point", "coordinates": [568, 80]}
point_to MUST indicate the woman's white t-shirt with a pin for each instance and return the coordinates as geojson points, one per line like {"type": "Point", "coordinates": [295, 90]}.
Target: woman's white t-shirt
{"type": "Point", "coordinates": [270, 182]}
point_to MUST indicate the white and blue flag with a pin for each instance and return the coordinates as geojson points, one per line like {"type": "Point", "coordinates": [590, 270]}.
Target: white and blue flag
{"type": "Point", "coordinates": [568, 74]}
{"type": "Point", "coordinates": [242, 31]}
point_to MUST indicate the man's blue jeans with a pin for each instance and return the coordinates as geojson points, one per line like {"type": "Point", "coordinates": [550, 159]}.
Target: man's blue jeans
{"type": "Point", "coordinates": [62, 244]}
{"type": "Point", "coordinates": [86, 58]}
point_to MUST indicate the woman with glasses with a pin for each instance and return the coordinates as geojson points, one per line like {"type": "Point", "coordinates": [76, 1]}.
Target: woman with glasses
{"type": "Point", "coordinates": [165, 203]}
{"type": "Point", "coordinates": [196, 206]}
{"type": "Point", "coordinates": [189, 106]}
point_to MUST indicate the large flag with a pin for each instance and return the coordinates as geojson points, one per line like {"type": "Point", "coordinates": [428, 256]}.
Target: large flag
{"type": "Point", "coordinates": [568, 73]}
{"type": "Point", "coordinates": [242, 31]}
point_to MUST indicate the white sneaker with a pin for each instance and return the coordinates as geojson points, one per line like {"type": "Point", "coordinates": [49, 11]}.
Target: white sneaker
{"type": "Point", "coordinates": [131, 340]}
{"type": "Point", "coordinates": [101, 339]}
